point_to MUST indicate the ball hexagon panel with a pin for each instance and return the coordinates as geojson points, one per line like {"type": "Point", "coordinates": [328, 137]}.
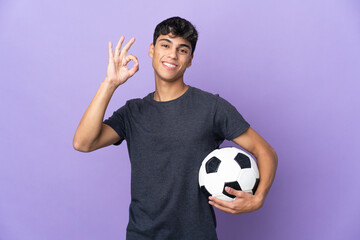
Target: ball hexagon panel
{"type": "Point", "coordinates": [247, 179]}
{"type": "Point", "coordinates": [214, 183]}
{"type": "Point", "coordinates": [225, 153]}
{"type": "Point", "coordinates": [229, 170]}
{"type": "Point", "coordinates": [255, 168]}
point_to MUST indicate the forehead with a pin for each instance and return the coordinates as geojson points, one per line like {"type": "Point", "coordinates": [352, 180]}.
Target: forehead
{"type": "Point", "coordinates": [177, 40]}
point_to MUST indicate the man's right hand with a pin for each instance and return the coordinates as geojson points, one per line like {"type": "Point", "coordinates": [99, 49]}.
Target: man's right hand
{"type": "Point", "coordinates": [117, 71]}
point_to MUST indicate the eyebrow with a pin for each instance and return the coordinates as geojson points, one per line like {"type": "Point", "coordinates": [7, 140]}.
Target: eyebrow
{"type": "Point", "coordinates": [181, 45]}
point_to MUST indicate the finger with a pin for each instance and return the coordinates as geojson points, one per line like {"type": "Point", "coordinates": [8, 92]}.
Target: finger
{"type": "Point", "coordinates": [118, 46]}
{"type": "Point", "coordinates": [234, 192]}
{"type": "Point", "coordinates": [222, 208]}
{"type": "Point", "coordinates": [126, 47]}
{"type": "Point", "coordinates": [221, 202]}
{"type": "Point", "coordinates": [135, 68]}
{"type": "Point", "coordinates": [128, 58]}
{"type": "Point", "coordinates": [110, 51]}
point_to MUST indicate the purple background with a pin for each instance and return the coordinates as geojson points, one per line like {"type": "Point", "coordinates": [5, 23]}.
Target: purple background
{"type": "Point", "coordinates": [290, 67]}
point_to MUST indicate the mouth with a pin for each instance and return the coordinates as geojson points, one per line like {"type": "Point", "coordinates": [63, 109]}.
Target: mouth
{"type": "Point", "coordinates": [169, 66]}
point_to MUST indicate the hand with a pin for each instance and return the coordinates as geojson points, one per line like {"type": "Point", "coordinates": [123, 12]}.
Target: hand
{"type": "Point", "coordinates": [244, 202]}
{"type": "Point", "coordinates": [117, 71]}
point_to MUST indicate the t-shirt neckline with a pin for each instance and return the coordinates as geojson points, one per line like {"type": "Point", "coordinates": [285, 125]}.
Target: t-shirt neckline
{"type": "Point", "coordinates": [170, 101]}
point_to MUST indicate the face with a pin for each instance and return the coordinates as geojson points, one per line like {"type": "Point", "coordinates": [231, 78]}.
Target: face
{"type": "Point", "coordinates": [171, 56]}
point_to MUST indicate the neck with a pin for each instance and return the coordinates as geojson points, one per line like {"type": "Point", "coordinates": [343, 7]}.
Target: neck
{"type": "Point", "coordinates": [167, 91]}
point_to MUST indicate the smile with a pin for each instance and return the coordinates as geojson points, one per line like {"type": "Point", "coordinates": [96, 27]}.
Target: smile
{"type": "Point", "coordinates": [169, 66]}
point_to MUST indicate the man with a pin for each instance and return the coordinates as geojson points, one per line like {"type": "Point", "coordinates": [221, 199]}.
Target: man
{"type": "Point", "coordinates": [168, 133]}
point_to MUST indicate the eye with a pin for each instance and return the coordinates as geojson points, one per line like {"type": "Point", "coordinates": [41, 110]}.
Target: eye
{"type": "Point", "coordinates": [182, 50]}
{"type": "Point", "coordinates": [164, 45]}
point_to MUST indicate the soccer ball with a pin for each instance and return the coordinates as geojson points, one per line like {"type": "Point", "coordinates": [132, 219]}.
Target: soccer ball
{"type": "Point", "coordinates": [231, 167]}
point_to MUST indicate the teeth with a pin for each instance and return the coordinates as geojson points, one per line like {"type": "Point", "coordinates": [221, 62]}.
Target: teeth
{"type": "Point", "coordinates": [169, 65]}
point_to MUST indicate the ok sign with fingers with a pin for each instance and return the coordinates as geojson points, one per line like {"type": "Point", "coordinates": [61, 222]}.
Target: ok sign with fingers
{"type": "Point", "coordinates": [117, 71]}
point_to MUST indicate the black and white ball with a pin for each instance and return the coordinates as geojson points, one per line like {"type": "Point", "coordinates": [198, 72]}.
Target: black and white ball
{"type": "Point", "coordinates": [231, 167]}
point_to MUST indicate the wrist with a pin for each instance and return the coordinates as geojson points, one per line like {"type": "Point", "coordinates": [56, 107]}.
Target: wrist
{"type": "Point", "coordinates": [259, 199]}
{"type": "Point", "coordinates": [109, 84]}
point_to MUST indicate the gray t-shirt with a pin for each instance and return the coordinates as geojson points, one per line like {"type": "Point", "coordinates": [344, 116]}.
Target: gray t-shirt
{"type": "Point", "coordinates": [167, 142]}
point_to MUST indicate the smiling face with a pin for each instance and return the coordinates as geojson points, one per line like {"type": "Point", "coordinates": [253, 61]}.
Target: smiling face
{"type": "Point", "coordinates": [170, 57]}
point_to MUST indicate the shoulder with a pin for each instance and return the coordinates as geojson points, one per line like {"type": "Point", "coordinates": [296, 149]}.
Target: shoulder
{"type": "Point", "coordinates": [199, 93]}
{"type": "Point", "coordinates": [208, 97]}
{"type": "Point", "coordinates": [217, 103]}
{"type": "Point", "coordinates": [136, 105]}
{"type": "Point", "coordinates": [135, 102]}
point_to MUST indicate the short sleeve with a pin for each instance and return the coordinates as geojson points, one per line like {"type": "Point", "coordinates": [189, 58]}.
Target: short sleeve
{"type": "Point", "coordinates": [117, 122]}
{"type": "Point", "coordinates": [228, 122]}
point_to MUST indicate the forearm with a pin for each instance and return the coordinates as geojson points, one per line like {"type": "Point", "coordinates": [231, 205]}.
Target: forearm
{"type": "Point", "coordinates": [91, 123]}
{"type": "Point", "coordinates": [267, 164]}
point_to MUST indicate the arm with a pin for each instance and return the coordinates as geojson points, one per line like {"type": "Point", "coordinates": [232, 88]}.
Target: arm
{"type": "Point", "coordinates": [267, 159]}
{"type": "Point", "coordinates": [91, 133]}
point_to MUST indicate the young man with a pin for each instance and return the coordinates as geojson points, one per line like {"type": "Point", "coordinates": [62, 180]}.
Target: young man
{"type": "Point", "coordinates": [168, 133]}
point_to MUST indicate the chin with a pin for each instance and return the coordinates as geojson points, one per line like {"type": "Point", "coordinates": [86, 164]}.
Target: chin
{"type": "Point", "coordinates": [169, 78]}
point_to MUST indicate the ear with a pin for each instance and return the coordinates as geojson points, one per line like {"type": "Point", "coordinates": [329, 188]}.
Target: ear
{"type": "Point", "coordinates": [151, 50]}
{"type": "Point", "coordinates": [190, 62]}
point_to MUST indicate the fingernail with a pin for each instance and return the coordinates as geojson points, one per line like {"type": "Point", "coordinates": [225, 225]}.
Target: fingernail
{"type": "Point", "coordinates": [227, 189]}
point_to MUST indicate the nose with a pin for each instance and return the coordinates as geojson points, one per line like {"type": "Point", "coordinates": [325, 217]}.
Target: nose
{"type": "Point", "coordinates": [173, 53]}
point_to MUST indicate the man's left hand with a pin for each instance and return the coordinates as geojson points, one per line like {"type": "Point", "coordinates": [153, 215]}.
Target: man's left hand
{"type": "Point", "coordinates": [243, 203]}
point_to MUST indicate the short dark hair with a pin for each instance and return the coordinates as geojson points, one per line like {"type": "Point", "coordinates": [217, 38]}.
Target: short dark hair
{"type": "Point", "coordinates": [178, 27]}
